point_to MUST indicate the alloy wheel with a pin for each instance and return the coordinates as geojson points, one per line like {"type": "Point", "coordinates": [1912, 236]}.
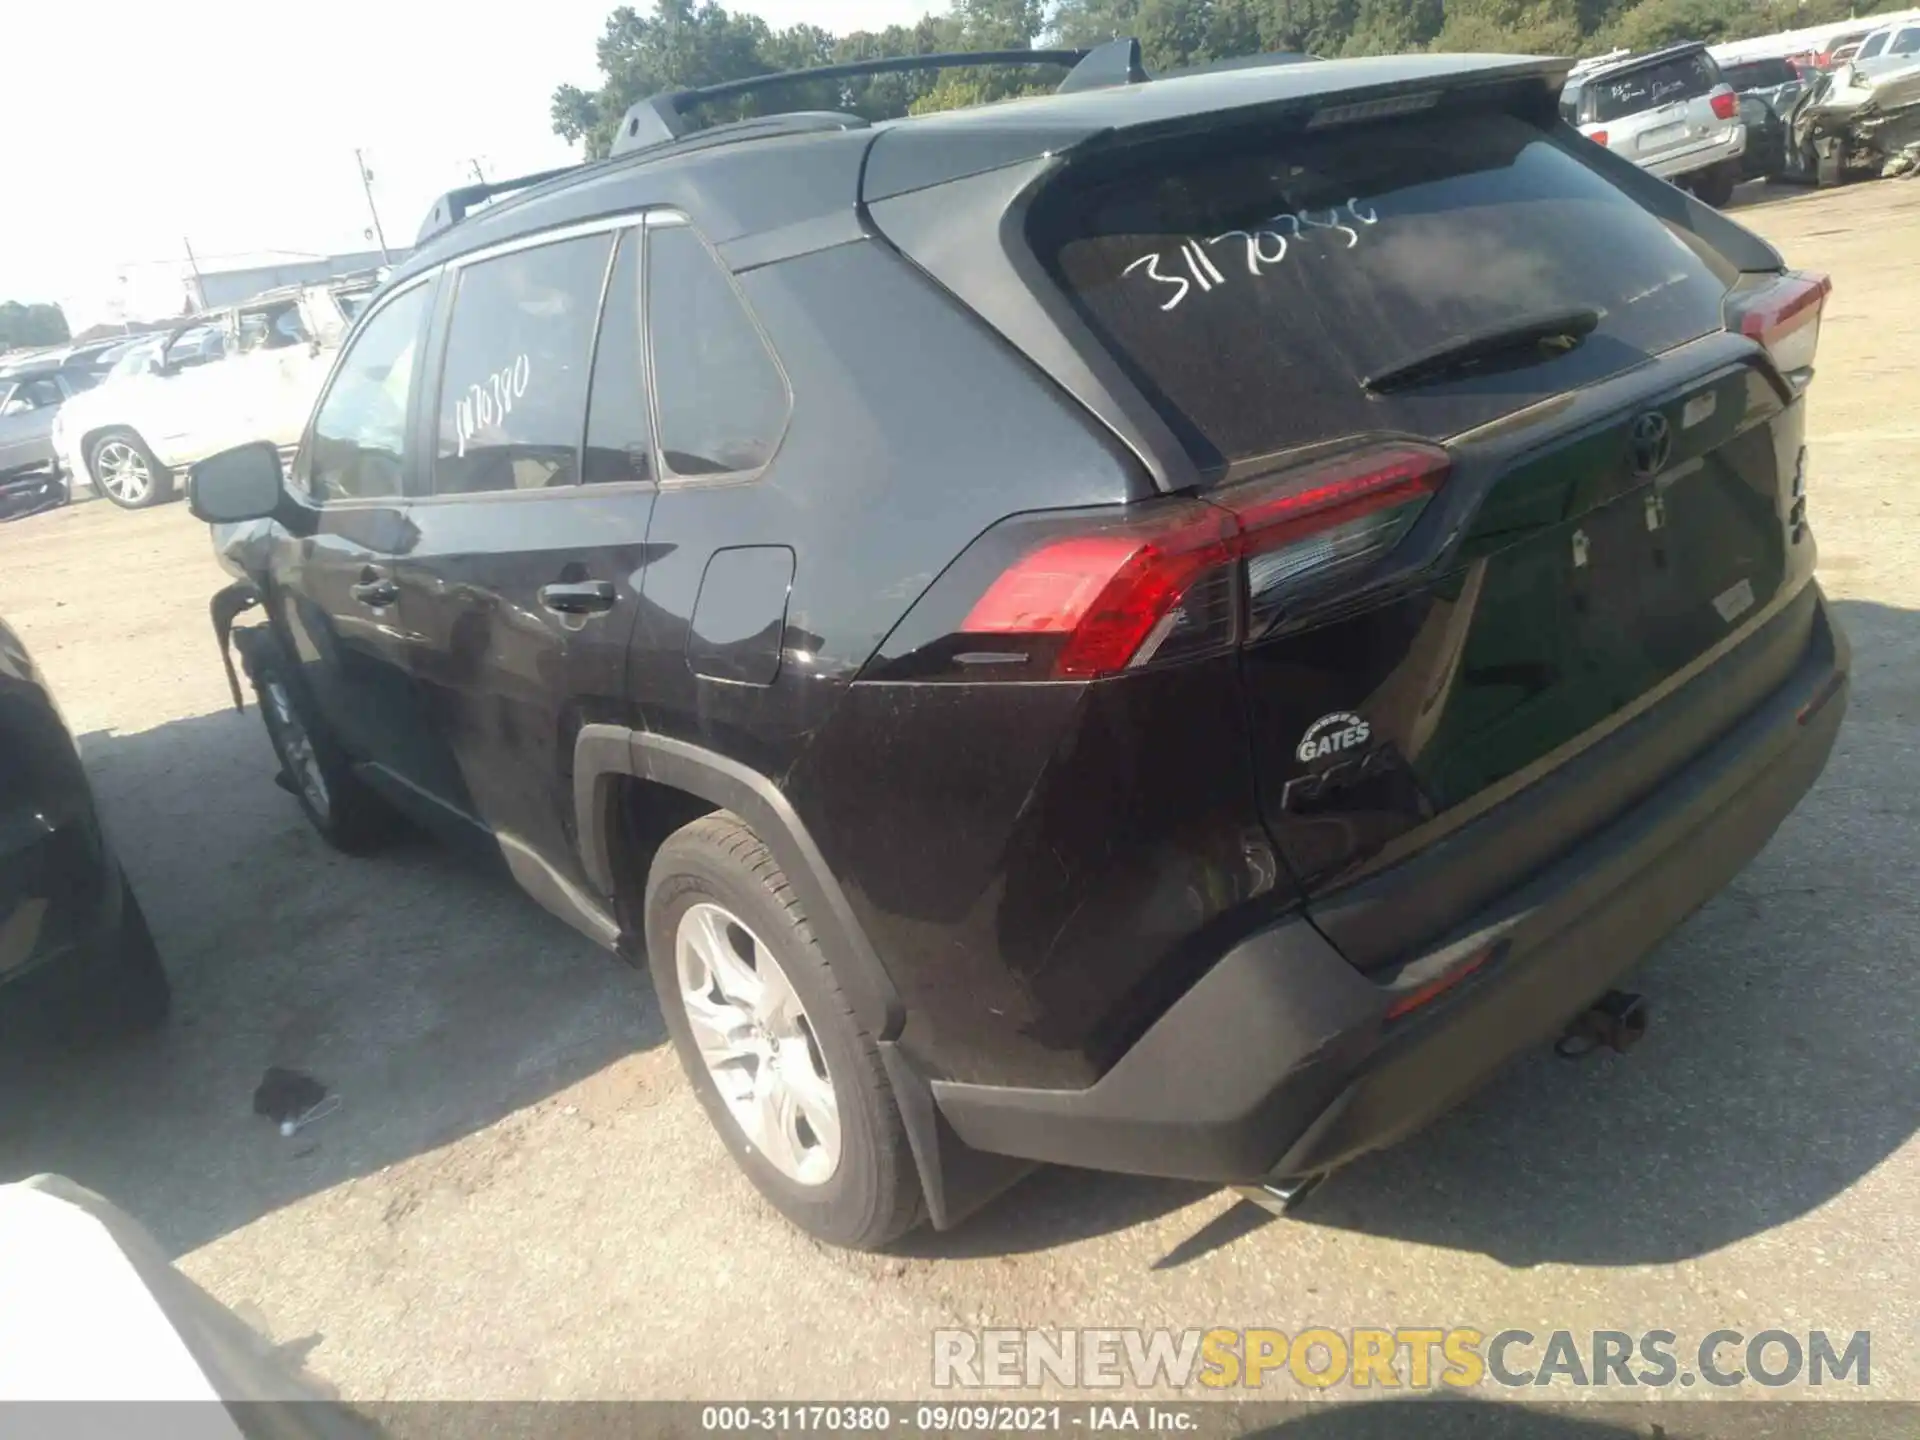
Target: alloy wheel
{"type": "Point", "coordinates": [758, 1043]}
{"type": "Point", "coordinates": [121, 470]}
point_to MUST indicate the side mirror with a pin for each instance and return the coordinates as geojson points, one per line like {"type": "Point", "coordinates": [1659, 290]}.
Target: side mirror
{"type": "Point", "coordinates": [243, 483]}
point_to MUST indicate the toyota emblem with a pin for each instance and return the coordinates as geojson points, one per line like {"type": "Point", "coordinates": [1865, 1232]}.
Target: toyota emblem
{"type": "Point", "coordinates": [1652, 444]}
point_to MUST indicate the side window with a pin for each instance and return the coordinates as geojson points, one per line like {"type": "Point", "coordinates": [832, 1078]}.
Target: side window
{"type": "Point", "coordinates": [1871, 47]}
{"type": "Point", "coordinates": [619, 429]}
{"type": "Point", "coordinates": [1907, 42]}
{"type": "Point", "coordinates": [722, 400]}
{"type": "Point", "coordinates": [360, 429]}
{"type": "Point", "coordinates": [513, 393]}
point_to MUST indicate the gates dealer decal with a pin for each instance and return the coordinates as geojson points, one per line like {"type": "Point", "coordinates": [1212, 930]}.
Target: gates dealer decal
{"type": "Point", "coordinates": [1331, 735]}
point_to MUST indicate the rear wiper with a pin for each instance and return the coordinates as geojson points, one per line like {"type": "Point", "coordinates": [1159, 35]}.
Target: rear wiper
{"type": "Point", "coordinates": [1556, 332]}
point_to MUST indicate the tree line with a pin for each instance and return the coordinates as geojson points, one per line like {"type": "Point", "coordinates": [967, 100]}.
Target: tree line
{"type": "Point", "coordinates": [27, 325]}
{"type": "Point", "coordinates": [681, 44]}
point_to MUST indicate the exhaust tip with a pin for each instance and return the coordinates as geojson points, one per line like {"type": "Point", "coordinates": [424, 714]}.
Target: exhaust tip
{"type": "Point", "coordinates": [1615, 1022]}
{"type": "Point", "coordinates": [1279, 1197]}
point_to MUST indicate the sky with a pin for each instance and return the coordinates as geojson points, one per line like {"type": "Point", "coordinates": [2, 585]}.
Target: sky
{"type": "Point", "coordinates": [139, 127]}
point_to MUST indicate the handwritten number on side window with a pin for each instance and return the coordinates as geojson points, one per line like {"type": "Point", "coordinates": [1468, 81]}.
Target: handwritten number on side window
{"type": "Point", "coordinates": [1264, 247]}
{"type": "Point", "coordinates": [489, 401]}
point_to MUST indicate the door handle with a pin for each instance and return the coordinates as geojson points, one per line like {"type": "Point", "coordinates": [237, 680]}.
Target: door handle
{"type": "Point", "coordinates": [583, 597]}
{"type": "Point", "coordinates": [375, 587]}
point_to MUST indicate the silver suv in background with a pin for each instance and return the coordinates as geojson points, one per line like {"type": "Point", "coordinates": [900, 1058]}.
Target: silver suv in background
{"type": "Point", "coordinates": [1669, 111]}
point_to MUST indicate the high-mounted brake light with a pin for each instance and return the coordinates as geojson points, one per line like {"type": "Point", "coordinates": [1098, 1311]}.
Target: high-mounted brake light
{"type": "Point", "coordinates": [1784, 317]}
{"type": "Point", "coordinates": [1725, 104]}
{"type": "Point", "coordinates": [1196, 576]}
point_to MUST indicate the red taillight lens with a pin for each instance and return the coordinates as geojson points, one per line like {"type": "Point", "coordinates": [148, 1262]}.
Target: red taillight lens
{"type": "Point", "coordinates": [1598, 137]}
{"type": "Point", "coordinates": [1105, 593]}
{"type": "Point", "coordinates": [1725, 104]}
{"type": "Point", "coordinates": [1783, 314]}
{"type": "Point", "coordinates": [1065, 597]}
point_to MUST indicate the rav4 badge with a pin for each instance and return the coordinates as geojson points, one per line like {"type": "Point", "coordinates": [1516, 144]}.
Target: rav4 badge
{"type": "Point", "coordinates": [1331, 734]}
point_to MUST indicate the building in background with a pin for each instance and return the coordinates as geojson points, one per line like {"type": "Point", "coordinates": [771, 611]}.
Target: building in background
{"type": "Point", "coordinates": [215, 288]}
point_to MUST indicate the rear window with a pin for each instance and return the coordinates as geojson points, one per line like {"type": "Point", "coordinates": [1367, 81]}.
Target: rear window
{"type": "Point", "coordinates": [1251, 292]}
{"type": "Point", "coordinates": [1650, 86]}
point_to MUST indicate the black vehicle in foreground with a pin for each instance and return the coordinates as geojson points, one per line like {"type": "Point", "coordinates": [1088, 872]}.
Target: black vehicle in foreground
{"type": "Point", "coordinates": [77, 961]}
{"type": "Point", "coordinates": [1170, 627]}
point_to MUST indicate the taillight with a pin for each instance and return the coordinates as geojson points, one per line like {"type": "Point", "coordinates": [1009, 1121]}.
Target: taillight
{"type": "Point", "coordinates": [1725, 104]}
{"type": "Point", "coordinates": [1066, 596]}
{"type": "Point", "coordinates": [1598, 137]}
{"type": "Point", "coordinates": [1783, 315]}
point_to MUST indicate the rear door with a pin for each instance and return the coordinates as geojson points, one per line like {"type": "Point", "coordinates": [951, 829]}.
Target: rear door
{"type": "Point", "coordinates": [1615, 516]}
{"type": "Point", "coordinates": [522, 585]}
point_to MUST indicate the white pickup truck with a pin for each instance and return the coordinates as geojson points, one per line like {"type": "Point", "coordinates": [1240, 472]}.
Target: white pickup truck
{"type": "Point", "coordinates": [249, 372]}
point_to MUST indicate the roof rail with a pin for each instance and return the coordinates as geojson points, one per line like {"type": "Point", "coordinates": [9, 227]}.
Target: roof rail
{"type": "Point", "coordinates": [453, 207]}
{"type": "Point", "coordinates": [661, 118]}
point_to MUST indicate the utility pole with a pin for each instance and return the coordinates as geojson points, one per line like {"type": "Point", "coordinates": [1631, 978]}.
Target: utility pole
{"type": "Point", "coordinates": [199, 285]}
{"type": "Point", "coordinates": [366, 183]}
{"type": "Point", "coordinates": [478, 173]}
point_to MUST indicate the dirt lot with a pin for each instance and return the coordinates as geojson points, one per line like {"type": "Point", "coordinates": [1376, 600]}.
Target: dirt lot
{"type": "Point", "coordinates": [519, 1197]}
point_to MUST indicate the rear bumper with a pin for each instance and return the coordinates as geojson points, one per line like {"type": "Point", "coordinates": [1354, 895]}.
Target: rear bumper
{"type": "Point", "coordinates": [1281, 1062]}
{"type": "Point", "coordinates": [1730, 145]}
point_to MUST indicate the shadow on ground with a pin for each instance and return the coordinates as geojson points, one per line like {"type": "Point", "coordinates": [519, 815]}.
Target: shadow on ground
{"type": "Point", "coordinates": [434, 999]}
{"type": "Point", "coordinates": [424, 990]}
{"type": "Point", "coordinates": [1778, 1069]}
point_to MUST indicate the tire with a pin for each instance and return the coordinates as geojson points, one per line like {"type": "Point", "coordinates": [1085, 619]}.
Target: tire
{"type": "Point", "coordinates": [1715, 186]}
{"type": "Point", "coordinates": [348, 815]}
{"type": "Point", "coordinates": [713, 883]}
{"type": "Point", "coordinates": [119, 992]}
{"type": "Point", "coordinates": [126, 472]}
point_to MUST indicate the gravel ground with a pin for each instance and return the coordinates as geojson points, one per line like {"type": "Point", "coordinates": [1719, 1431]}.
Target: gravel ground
{"type": "Point", "coordinates": [520, 1197]}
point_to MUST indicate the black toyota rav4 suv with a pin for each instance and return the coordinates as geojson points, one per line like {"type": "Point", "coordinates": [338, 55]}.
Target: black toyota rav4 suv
{"type": "Point", "coordinates": [1168, 627]}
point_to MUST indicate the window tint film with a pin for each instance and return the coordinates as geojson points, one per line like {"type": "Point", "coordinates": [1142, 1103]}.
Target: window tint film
{"type": "Point", "coordinates": [513, 386]}
{"type": "Point", "coordinates": [1252, 287]}
{"type": "Point", "coordinates": [722, 401]}
{"type": "Point", "coordinates": [619, 429]}
{"type": "Point", "coordinates": [359, 432]}
{"type": "Point", "coordinates": [1652, 86]}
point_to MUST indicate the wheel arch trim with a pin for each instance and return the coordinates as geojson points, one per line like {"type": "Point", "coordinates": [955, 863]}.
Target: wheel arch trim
{"type": "Point", "coordinates": [603, 753]}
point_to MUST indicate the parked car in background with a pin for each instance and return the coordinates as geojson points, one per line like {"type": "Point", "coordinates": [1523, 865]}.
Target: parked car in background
{"type": "Point", "coordinates": [1670, 112]}
{"type": "Point", "coordinates": [30, 474]}
{"type": "Point", "coordinates": [1767, 89]}
{"type": "Point", "coordinates": [76, 958]}
{"type": "Point", "coordinates": [1858, 120]}
{"type": "Point", "coordinates": [1887, 48]}
{"type": "Point", "coordinates": [876, 588]}
{"type": "Point", "coordinates": [248, 372]}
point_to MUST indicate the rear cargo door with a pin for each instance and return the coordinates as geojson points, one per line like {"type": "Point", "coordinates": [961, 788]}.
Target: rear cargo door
{"type": "Point", "coordinates": [1617, 510]}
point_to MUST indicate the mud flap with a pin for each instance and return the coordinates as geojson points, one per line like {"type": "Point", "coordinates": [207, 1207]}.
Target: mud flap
{"type": "Point", "coordinates": [226, 606]}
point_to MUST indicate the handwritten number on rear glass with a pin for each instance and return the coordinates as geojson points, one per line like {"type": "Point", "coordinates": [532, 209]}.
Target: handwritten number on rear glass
{"type": "Point", "coordinates": [1262, 248]}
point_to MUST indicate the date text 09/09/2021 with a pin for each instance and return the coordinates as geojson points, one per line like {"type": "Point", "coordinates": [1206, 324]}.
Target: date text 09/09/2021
{"type": "Point", "coordinates": [946, 1419]}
